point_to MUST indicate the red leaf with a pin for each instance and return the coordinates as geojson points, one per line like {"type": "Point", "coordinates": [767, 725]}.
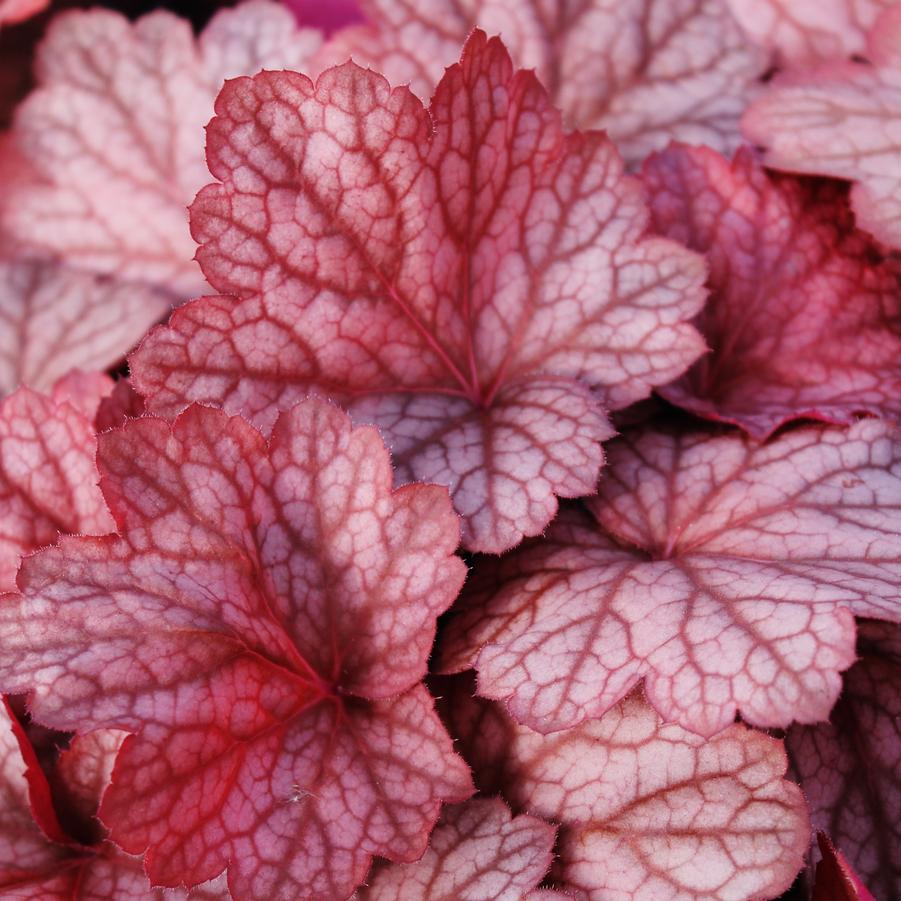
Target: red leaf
{"type": "Point", "coordinates": [648, 810]}
{"type": "Point", "coordinates": [477, 851]}
{"type": "Point", "coordinates": [850, 767]}
{"type": "Point", "coordinates": [32, 868]}
{"type": "Point", "coordinates": [48, 478]}
{"type": "Point", "coordinates": [722, 571]}
{"type": "Point", "coordinates": [115, 133]}
{"type": "Point", "coordinates": [647, 71]}
{"type": "Point", "coordinates": [802, 321]}
{"type": "Point", "coordinates": [328, 16]}
{"type": "Point", "coordinates": [804, 33]}
{"type": "Point", "coordinates": [54, 318]}
{"type": "Point", "coordinates": [835, 880]}
{"type": "Point", "coordinates": [29, 864]}
{"type": "Point", "coordinates": [262, 625]}
{"type": "Point", "coordinates": [842, 120]}
{"type": "Point", "coordinates": [407, 266]}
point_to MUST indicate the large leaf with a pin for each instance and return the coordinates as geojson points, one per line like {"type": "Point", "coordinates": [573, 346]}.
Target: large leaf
{"type": "Point", "coordinates": [261, 626]}
{"type": "Point", "coordinates": [477, 852]}
{"type": "Point", "coordinates": [48, 478]}
{"type": "Point", "coordinates": [477, 283]}
{"type": "Point", "coordinates": [850, 767]}
{"type": "Point", "coordinates": [722, 571]}
{"type": "Point", "coordinates": [804, 320]}
{"type": "Point", "coordinates": [647, 71]}
{"type": "Point", "coordinates": [843, 120]}
{"type": "Point", "coordinates": [646, 809]}
{"type": "Point", "coordinates": [115, 133]}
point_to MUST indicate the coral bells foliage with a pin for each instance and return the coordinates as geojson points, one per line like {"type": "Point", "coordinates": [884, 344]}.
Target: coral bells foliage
{"type": "Point", "coordinates": [470, 278]}
{"type": "Point", "coordinates": [260, 625]}
{"type": "Point", "coordinates": [419, 310]}
{"type": "Point", "coordinates": [723, 572]}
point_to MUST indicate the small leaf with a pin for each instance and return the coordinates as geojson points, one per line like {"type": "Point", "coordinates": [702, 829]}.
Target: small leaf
{"type": "Point", "coordinates": [721, 571]}
{"type": "Point", "coordinates": [646, 809]}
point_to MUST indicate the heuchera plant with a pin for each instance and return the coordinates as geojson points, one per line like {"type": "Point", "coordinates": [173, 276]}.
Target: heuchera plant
{"type": "Point", "coordinates": [375, 572]}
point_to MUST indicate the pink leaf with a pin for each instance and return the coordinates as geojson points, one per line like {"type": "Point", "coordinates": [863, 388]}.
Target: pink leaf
{"type": "Point", "coordinates": [474, 283]}
{"type": "Point", "coordinates": [115, 133]}
{"type": "Point", "coordinates": [835, 880]}
{"type": "Point", "coordinates": [54, 318]}
{"type": "Point", "coordinates": [723, 572]}
{"type": "Point", "coordinates": [477, 851]}
{"type": "Point", "coordinates": [648, 810]}
{"type": "Point", "coordinates": [646, 71]}
{"type": "Point", "coordinates": [261, 625]}
{"type": "Point", "coordinates": [850, 767]}
{"type": "Point", "coordinates": [843, 120]}
{"type": "Point", "coordinates": [802, 321]}
{"type": "Point", "coordinates": [809, 31]}
{"type": "Point", "coordinates": [12, 11]}
{"type": "Point", "coordinates": [48, 478]}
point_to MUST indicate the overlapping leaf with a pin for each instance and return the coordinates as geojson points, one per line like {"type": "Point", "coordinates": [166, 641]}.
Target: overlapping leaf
{"type": "Point", "coordinates": [477, 852]}
{"type": "Point", "coordinates": [843, 120]}
{"type": "Point", "coordinates": [809, 31]}
{"type": "Point", "coordinates": [835, 880]}
{"type": "Point", "coordinates": [722, 571]}
{"type": "Point", "coordinates": [261, 625]}
{"type": "Point", "coordinates": [115, 134]}
{"type": "Point", "coordinates": [850, 767]}
{"type": "Point", "coordinates": [34, 867]}
{"type": "Point", "coordinates": [648, 810]}
{"type": "Point", "coordinates": [804, 320]}
{"type": "Point", "coordinates": [647, 71]}
{"type": "Point", "coordinates": [48, 477]}
{"type": "Point", "coordinates": [54, 318]}
{"type": "Point", "coordinates": [476, 282]}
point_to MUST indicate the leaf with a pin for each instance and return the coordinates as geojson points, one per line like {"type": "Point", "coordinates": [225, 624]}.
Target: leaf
{"type": "Point", "coordinates": [48, 478]}
{"type": "Point", "coordinates": [115, 134]}
{"type": "Point", "coordinates": [476, 283]}
{"type": "Point", "coordinates": [33, 868]}
{"type": "Point", "coordinates": [835, 880]}
{"type": "Point", "coordinates": [723, 572]}
{"type": "Point", "coordinates": [646, 809]}
{"type": "Point", "coordinates": [842, 120]}
{"type": "Point", "coordinates": [647, 71]}
{"type": "Point", "coordinates": [802, 319]}
{"type": "Point", "coordinates": [261, 626]}
{"type": "Point", "coordinates": [850, 767]}
{"type": "Point", "coordinates": [477, 852]}
{"type": "Point", "coordinates": [54, 319]}
{"type": "Point", "coordinates": [13, 11]}
{"type": "Point", "coordinates": [804, 33]}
